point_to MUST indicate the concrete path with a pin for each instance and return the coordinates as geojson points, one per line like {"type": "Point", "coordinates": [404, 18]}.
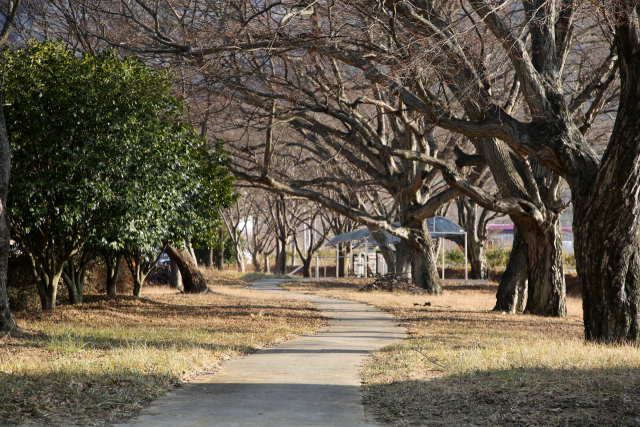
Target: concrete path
{"type": "Point", "coordinates": [310, 381]}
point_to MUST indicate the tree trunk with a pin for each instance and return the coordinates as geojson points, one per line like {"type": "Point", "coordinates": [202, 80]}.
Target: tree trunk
{"type": "Point", "coordinates": [192, 252]}
{"type": "Point", "coordinates": [547, 288]}
{"type": "Point", "coordinates": [512, 290]}
{"type": "Point", "coordinates": [267, 263]}
{"type": "Point", "coordinates": [281, 263]}
{"type": "Point", "coordinates": [240, 257]}
{"type": "Point", "coordinates": [220, 260]}
{"type": "Point", "coordinates": [48, 288]}
{"type": "Point", "coordinates": [403, 260]}
{"type": "Point", "coordinates": [606, 215]}
{"type": "Point", "coordinates": [306, 267]}
{"type": "Point", "coordinates": [478, 261]}
{"type": "Point", "coordinates": [255, 260]}
{"type": "Point", "coordinates": [113, 262]}
{"type": "Point", "coordinates": [73, 275]}
{"type": "Point", "coordinates": [192, 279]}
{"type": "Point", "coordinates": [6, 319]}
{"type": "Point", "coordinates": [342, 261]}
{"type": "Point", "coordinates": [175, 280]}
{"type": "Point", "coordinates": [220, 253]}
{"type": "Point", "coordinates": [208, 259]}
{"type": "Point", "coordinates": [387, 253]}
{"type": "Point", "coordinates": [422, 257]}
{"type": "Point", "coordinates": [608, 265]}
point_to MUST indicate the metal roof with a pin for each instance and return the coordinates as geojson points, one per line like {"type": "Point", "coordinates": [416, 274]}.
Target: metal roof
{"type": "Point", "coordinates": [438, 226]}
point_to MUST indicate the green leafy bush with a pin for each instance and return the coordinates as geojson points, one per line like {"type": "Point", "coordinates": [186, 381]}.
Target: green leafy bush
{"type": "Point", "coordinates": [498, 257]}
{"type": "Point", "coordinates": [454, 257]}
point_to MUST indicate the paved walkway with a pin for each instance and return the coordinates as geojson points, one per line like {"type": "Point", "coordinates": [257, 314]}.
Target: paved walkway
{"type": "Point", "coordinates": [310, 381]}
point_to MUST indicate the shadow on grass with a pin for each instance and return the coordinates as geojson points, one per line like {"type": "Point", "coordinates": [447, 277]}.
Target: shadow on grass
{"type": "Point", "coordinates": [63, 398]}
{"type": "Point", "coordinates": [514, 397]}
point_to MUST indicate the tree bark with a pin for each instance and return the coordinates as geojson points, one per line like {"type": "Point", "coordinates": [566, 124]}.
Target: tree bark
{"type": "Point", "coordinates": [48, 288]}
{"type": "Point", "coordinates": [402, 261]}
{"type": "Point", "coordinates": [7, 323]}
{"type": "Point", "coordinates": [512, 291]}
{"type": "Point", "coordinates": [422, 257]}
{"type": "Point", "coordinates": [175, 280]}
{"type": "Point", "coordinates": [192, 252]}
{"type": "Point", "coordinates": [255, 260]}
{"type": "Point", "coordinates": [606, 213]}
{"type": "Point", "coordinates": [74, 274]}
{"type": "Point", "coordinates": [547, 289]}
{"type": "Point", "coordinates": [306, 267]}
{"type": "Point", "coordinates": [281, 263]}
{"type": "Point", "coordinates": [208, 259]}
{"type": "Point", "coordinates": [267, 262]}
{"type": "Point", "coordinates": [192, 279]}
{"type": "Point", "coordinates": [383, 243]}
{"type": "Point", "coordinates": [239, 257]}
{"type": "Point", "coordinates": [220, 253]}
{"type": "Point", "coordinates": [113, 262]}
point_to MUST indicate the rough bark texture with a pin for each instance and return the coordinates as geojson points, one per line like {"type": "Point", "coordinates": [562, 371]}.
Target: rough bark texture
{"type": "Point", "coordinates": [606, 214]}
{"type": "Point", "coordinates": [512, 291]}
{"type": "Point", "coordinates": [6, 319]}
{"type": "Point", "coordinates": [403, 261]}
{"type": "Point", "coordinates": [422, 257]}
{"type": "Point", "coordinates": [192, 279]}
{"type": "Point", "coordinates": [547, 289]}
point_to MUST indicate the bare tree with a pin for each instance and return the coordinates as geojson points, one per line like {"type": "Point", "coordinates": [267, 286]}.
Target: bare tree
{"type": "Point", "coordinates": [316, 236]}
{"type": "Point", "coordinates": [499, 73]}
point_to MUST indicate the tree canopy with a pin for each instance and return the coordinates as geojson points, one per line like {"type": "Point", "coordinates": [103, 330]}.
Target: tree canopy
{"type": "Point", "coordinates": [102, 152]}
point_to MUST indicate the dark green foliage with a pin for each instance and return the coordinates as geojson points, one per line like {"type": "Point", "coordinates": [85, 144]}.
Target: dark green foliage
{"type": "Point", "coordinates": [102, 153]}
{"type": "Point", "coordinates": [229, 251]}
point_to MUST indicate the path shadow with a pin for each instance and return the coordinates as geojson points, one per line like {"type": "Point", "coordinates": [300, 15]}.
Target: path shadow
{"type": "Point", "coordinates": [515, 397]}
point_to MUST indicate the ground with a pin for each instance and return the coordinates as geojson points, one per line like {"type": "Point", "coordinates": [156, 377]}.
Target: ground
{"type": "Point", "coordinates": [101, 361]}
{"type": "Point", "coordinates": [465, 365]}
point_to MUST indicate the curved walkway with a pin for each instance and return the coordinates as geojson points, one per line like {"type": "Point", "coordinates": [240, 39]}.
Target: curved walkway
{"type": "Point", "coordinates": [311, 381]}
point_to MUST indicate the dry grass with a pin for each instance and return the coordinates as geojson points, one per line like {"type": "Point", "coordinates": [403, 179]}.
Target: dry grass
{"type": "Point", "coordinates": [102, 360]}
{"type": "Point", "coordinates": [464, 365]}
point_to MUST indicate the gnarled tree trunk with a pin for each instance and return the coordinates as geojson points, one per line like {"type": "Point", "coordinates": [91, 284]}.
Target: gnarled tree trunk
{"type": "Point", "coordinates": [512, 291]}
{"type": "Point", "coordinates": [422, 257]}
{"type": "Point", "coordinates": [192, 279]}
{"type": "Point", "coordinates": [547, 290]}
{"type": "Point", "coordinates": [606, 211]}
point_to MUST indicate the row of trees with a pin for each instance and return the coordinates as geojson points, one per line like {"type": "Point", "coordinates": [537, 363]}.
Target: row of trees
{"type": "Point", "coordinates": [105, 162]}
{"type": "Point", "coordinates": [385, 111]}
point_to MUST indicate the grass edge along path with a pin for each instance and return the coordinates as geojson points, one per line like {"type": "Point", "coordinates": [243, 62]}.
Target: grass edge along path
{"type": "Point", "coordinates": [465, 365]}
{"type": "Point", "coordinates": [103, 360]}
